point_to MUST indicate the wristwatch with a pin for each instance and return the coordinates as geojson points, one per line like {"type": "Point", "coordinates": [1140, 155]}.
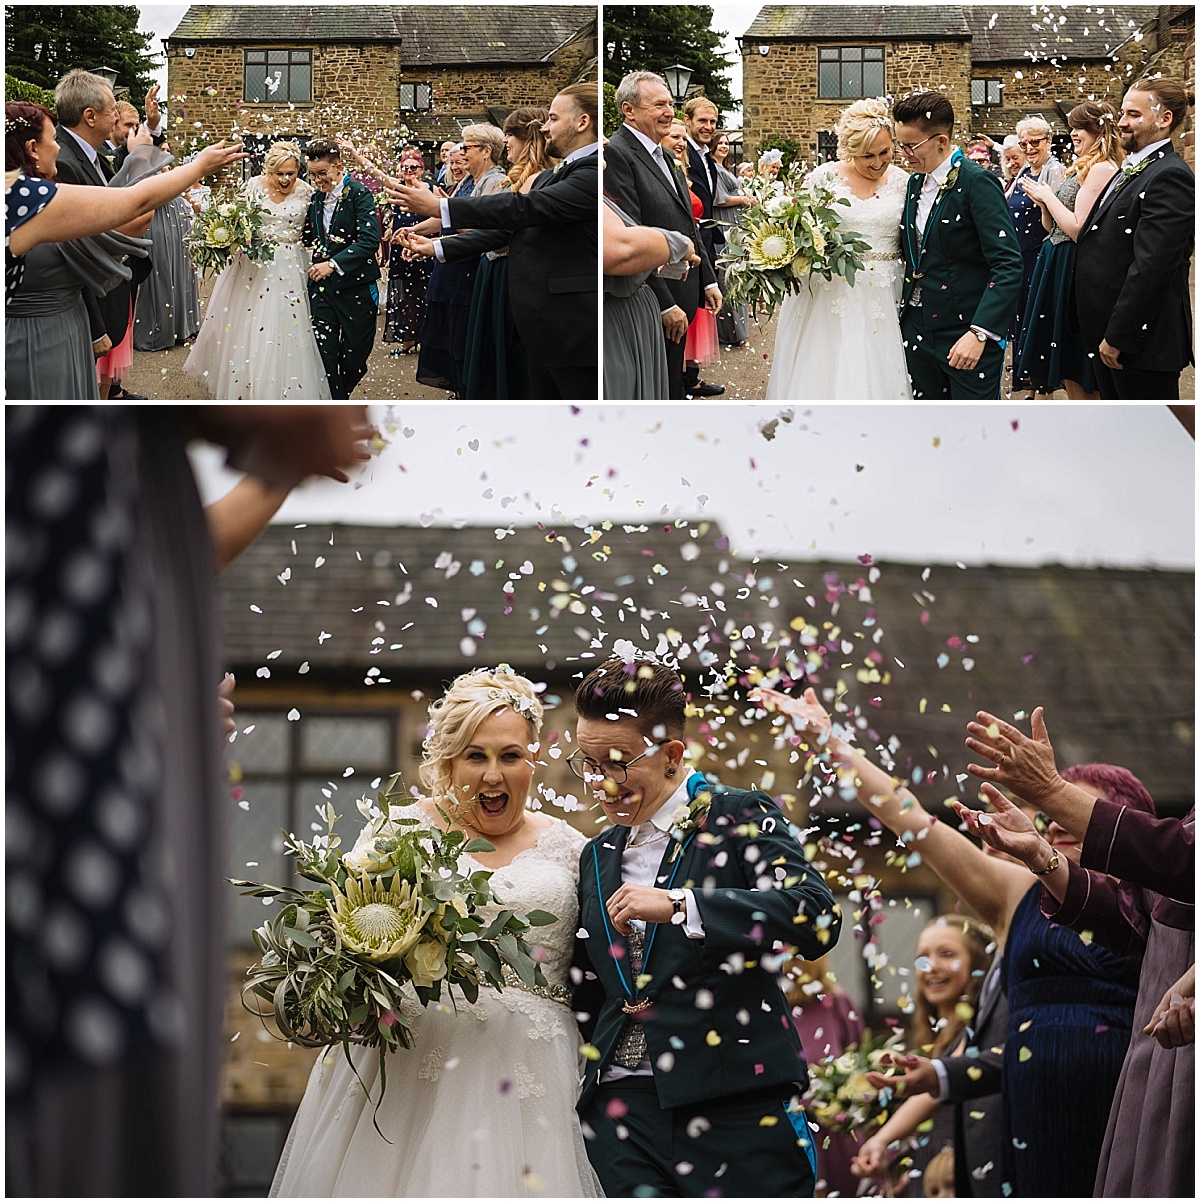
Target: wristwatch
{"type": "Point", "coordinates": [979, 334]}
{"type": "Point", "coordinates": [678, 905]}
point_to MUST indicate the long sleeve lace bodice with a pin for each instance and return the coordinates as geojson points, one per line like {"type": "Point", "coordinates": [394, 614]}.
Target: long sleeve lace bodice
{"type": "Point", "coordinates": [878, 218]}
{"type": "Point", "coordinates": [284, 224]}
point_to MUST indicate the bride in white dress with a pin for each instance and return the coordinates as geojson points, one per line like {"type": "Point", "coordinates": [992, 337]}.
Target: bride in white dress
{"type": "Point", "coordinates": [483, 1104]}
{"type": "Point", "coordinates": [257, 341]}
{"type": "Point", "coordinates": [834, 342]}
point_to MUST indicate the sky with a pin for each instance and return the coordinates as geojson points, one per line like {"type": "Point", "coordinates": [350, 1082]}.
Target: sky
{"type": "Point", "coordinates": [1012, 484]}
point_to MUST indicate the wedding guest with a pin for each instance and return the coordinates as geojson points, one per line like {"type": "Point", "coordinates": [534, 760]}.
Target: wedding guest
{"type": "Point", "coordinates": [745, 171]}
{"type": "Point", "coordinates": [1134, 249]}
{"type": "Point", "coordinates": [939, 1176]}
{"type": "Point", "coordinates": [87, 114]}
{"type": "Point", "coordinates": [155, 126]}
{"type": "Point", "coordinates": [1051, 353]}
{"type": "Point", "coordinates": [635, 360]}
{"type": "Point", "coordinates": [702, 344]}
{"type": "Point", "coordinates": [47, 339]}
{"type": "Point", "coordinates": [1033, 136]}
{"type": "Point", "coordinates": [408, 275]}
{"type": "Point", "coordinates": [980, 152]}
{"type": "Point", "coordinates": [733, 322]}
{"type": "Point", "coordinates": [167, 305]}
{"type": "Point", "coordinates": [633, 154]}
{"type": "Point", "coordinates": [497, 366]}
{"type": "Point", "coordinates": [1070, 1004]}
{"type": "Point", "coordinates": [1012, 159]}
{"type": "Point", "coordinates": [444, 152]}
{"type": "Point", "coordinates": [769, 163]}
{"type": "Point", "coordinates": [443, 336]}
{"type": "Point", "coordinates": [1149, 1146]}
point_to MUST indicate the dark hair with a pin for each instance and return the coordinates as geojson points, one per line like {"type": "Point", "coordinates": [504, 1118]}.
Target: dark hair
{"type": "Point", "coordinates": [23, 122]}
{"type": "Point", "coordinates": [586, 98]}
{"type": "Point", "coordinates": [931, 112]}
{"type": "Point", "coordinates": [1169, 93]}
{"type": "Point", "coordinates": [1119, 785]}
{"type": "Point", "coordinates": [648, 692]}
{"type": "Point", "coordinates": [325, 149]}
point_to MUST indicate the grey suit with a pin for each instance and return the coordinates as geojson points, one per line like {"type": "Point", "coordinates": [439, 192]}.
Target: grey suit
{"type": "Point", "coordinates": [973, 1089]}
{"type": "Point", "coordinates": [640, 187]}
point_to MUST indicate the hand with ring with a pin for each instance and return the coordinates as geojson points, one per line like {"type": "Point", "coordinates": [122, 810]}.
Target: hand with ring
{"type": "Point", "coordinates": [1022, 764]}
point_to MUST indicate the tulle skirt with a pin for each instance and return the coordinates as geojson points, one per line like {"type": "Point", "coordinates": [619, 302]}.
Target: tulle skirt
{"type": "Point", "coordinates": [838, 343]}
{"type": "Point", "coordinates": [482, 1105]}
{"type": "Point", "coordinates": [257, 342]}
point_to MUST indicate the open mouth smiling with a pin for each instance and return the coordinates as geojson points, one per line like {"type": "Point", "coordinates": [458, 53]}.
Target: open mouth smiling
{"type": "Point", "coordinates": [492, 804]}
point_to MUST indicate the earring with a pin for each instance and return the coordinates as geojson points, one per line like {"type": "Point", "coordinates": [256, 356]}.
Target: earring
{"type": "Point", "coordinates": [671, 771]}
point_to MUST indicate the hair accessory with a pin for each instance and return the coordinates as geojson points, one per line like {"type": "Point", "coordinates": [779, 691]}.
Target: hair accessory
{"type": "Point", "coordinates": [771, 156]}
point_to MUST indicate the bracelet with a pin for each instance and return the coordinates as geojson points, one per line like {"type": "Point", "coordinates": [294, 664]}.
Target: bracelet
{"type": "Point", "coordinates": [1050, 867]}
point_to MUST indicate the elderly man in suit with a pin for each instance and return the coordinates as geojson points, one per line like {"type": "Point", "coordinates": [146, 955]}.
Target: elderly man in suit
{"type": "Point", "coordinates": [651, 188]}
{"type": "Point", "coordinates": [1131, 269]}
{"type": "Point", "coordinates": [553, 250]}
{"type": "Point", "coordinates": [87, 116]}
{"type": "Point", "coordinates": [689, 904]}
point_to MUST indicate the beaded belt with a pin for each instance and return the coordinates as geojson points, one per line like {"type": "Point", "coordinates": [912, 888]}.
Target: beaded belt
{"type": "Point", "coordinates": [557, 994]}
{"type": "Point", "coordinates": [880, 256]}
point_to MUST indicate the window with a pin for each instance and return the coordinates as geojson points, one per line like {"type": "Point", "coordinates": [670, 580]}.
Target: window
{"type": "Point", "coordinates": [278, 76]}
{"type": "Point", "coordinates": [256, 145]}
{"type": "Point", "coordinates": [987, 92]}
{"type": "Point", "coordinates": [849, 72]}
{"type": "Point", "coordinates": [285, 770]}
{"type": "Point", "coordinates": [826, 146]}
{"type": "Point", "coordinates": [416, 98]}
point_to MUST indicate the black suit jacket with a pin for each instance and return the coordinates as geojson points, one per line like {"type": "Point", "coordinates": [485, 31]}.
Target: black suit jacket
{"type": "Point", "coordinates": [701, 184]}
{"type": "Point", "coordinates": [552, 258]}
{"type": "Point", "coordinates": [973, 1090]}
{"type": "Point", "coordinates": [756, 893]}
{"type": "Point", "coordinates": [1131, 266]}
{"type": "Point", "coordinates": [108, 313]}
{"type": "Point", "coordinates": [637, 183]}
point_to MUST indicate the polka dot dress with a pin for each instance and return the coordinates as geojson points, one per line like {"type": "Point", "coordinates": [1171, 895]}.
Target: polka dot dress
{"type": "Point", "coordinates": [86, 925]}
{"type": "Point", "coordinates": [25, 198]}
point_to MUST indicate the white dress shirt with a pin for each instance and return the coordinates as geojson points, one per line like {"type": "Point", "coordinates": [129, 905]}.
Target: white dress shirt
{"type": "Point", "coordinates": [929, 190]}
{"type": "Point", "coordinates": [1138, 155]}
{"type": "Point", "coordinates": [88, 149]}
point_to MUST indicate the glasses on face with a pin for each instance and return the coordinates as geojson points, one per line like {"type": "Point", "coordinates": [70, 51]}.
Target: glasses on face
{"type": "Point", "coordinates": [471, 146]}
{"type": "Point", "coordinates": [1031, 143]}
{"type": "Point", "coordinates": [909, 147]}
{"type": "Point", "coordinates": [586, 769]}
{"type": "Point", "coordinates": [1041, 821]}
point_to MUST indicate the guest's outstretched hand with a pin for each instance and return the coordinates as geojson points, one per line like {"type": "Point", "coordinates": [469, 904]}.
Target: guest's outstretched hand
{"type": "Point", "coordinates": [416, 245]}
{"type": "Point", "coordinates": [1021, 764]}
{"type": "Point", "coordinates": [219, 154]}
{"type": "Point", "coordinates": [809, 718]}
{"type": "Point", "coordinates": [916, 1075]}
{"type": "Point", "coordinates": [1009, 829]}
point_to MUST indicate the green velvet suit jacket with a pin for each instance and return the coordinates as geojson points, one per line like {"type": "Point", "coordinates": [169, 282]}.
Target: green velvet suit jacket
{"type": "Point", "coordinates": [970, 266]}
{"type": "Point", "coordinates": [351, 240]}
{"type": "Point", "coordinates": [719, 1024]}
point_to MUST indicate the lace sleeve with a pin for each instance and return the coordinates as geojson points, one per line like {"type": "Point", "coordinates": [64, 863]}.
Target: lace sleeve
{"type": "Point", "coordinates": [305, 189]}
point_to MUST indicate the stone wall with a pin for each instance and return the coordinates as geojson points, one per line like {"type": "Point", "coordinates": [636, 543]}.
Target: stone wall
{"type": "Point", "coordinates": [780, 87]}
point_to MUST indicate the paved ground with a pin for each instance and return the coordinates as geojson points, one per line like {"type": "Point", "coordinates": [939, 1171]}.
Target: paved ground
{"type": "Point", "coordinates": [159, 374]}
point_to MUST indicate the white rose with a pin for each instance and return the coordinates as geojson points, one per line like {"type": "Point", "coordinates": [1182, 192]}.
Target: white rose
{"type": "Point", "coordinates": [426, 962]}
{"type": "Point", "coordinates": [226, 210]}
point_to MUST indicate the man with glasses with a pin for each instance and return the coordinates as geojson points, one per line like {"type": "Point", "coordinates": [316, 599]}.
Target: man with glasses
{"type": "Point", "coordinates": [962, 265]}
{"type": "Point", "coordinates": [690, 905]}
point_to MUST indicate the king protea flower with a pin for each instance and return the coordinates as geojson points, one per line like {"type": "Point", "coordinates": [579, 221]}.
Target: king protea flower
{"type": "Point", "coordinates": [772, 246]}
{"type": "Point", "coordinates": [377, 923]}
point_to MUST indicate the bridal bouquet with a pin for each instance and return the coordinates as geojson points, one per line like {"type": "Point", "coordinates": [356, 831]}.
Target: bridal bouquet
{"type": "Point", "coordinates": [394, 918]}
{"type": "Point", "coordinates": [792, 232]}
{"type": "Point", "coordinates": [839, 1096]}
{"type": "Point", "coordinates": [225, 225]}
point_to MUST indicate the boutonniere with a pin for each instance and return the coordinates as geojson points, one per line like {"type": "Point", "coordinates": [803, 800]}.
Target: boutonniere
{"type": "Point", "coordinates": [1127, 172]}
{"type": "Point", "coordinates": [950, 181]}
{"type": "Point", "coordinates": [689, 818]}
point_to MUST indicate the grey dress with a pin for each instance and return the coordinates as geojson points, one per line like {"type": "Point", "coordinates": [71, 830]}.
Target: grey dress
{"type": "Point", "coordinates": [168, 301]}
{"type": "Point", "coordinates": [47, 338]}
{"type": "Point", "coordinates": [635, 356]}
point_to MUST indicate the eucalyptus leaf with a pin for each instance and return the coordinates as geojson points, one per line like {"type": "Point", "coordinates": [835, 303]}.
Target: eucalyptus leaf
{"type": "Point", "coordinates": [479, 845]}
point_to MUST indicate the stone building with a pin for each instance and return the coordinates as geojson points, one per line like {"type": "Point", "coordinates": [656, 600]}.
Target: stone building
{"type": "Point", "coordinates": [802, 64]}
{"type": "Point", "coordinates": [369, 71]}
{"type": "Point", "coordinates": [341, 635]}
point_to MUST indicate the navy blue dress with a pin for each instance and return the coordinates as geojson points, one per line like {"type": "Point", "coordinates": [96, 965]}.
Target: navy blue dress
{"type": "Point", "coordinates": [1070, 1020]}
{"type": "Point", "coordinates": [1027, 219]}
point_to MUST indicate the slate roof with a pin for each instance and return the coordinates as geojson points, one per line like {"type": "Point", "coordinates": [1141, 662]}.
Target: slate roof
{"type": "Point", "coordinates": [1003, 33]}
{"type": "Point", "coordinates": [843, 22]}
{"type": "Point", "coordinates": [430, 33]}
{"type": "Point", "coordinates": [998, 32]}
{"type": "Point", "coordinates": [1108, 652]}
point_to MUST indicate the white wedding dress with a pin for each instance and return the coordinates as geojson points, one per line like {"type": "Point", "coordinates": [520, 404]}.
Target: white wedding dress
{"type": "Point", "coordinates": [483, 1104]}
{"type": "Point", "coordinates": [257, 341]}
{"type": "Point", "coordinates": [834, 342]}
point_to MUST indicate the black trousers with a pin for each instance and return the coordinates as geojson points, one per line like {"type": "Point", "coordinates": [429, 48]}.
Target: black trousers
{"type": "Point", "coordinates": [344, 325]}
{"type": "Point", "coordinates": [675, 373]}
{"type": "Point", "coordinates": [741, 1145]}
{"type": "Point", "coordinates": [561, 382]}
{"type": "Point", "coordinates": [932, 376]}
{"type": "Point", "coordinates": [1134, 384]}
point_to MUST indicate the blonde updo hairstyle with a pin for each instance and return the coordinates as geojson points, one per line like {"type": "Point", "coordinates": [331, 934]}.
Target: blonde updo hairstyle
{"type": "Point", "coordinates": [456, 715]}
{"type": "Point", "coordinates": [859, 126]}
{"type": "Point", "coordinates": [278, 153]}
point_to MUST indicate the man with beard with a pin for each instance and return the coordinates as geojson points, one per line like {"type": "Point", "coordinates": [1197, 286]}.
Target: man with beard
{"type": "Point", "coordinates": [553, 249]}
{"type": "Point", "coordinates": [1131, 269]}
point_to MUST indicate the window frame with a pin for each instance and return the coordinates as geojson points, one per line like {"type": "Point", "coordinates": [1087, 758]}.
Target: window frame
{"type": "Point", "coordinates": [988, 84]}
{"type": "Point", "coordinates": [297, 56]}
{"type": "Point", "coordinates": [878, 54]}
{"type": "Point", "coordinates": [416, 86]}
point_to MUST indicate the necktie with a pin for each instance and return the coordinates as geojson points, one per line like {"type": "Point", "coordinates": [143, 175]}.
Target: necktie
{"type": "Point", "coordinates": [631, 1048]}
{"type": "Point", "coordinates": [662, 162]}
